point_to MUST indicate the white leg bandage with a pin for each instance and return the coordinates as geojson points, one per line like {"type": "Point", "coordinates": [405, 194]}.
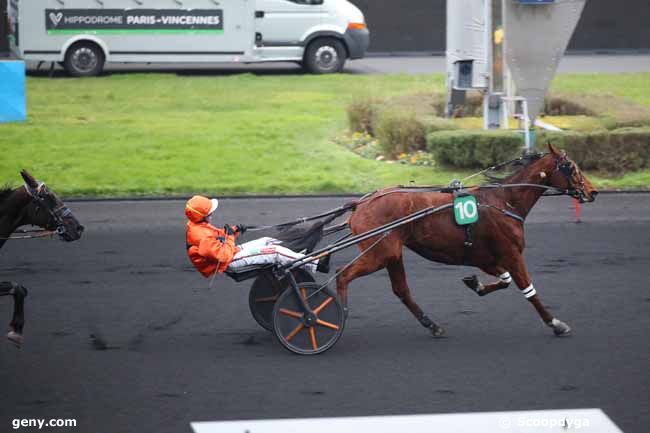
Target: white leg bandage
{"type": "Point", "coordinates": [529, 291]}
{"type": "Point", "coordinates": [505, 277]}
{"type": "Point", "coordinates": [265, 251]}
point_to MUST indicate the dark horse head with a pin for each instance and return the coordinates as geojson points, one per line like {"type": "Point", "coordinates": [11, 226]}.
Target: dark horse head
{"type": "Point", "coordinates": [32, 204]}
{"type": "Point", "coordinates": [35, 204]}
{"type": "Point", "coordinates": [566, 175]}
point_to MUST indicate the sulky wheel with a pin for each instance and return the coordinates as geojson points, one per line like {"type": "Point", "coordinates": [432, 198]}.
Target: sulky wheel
{"type": "Point", "coordinates": [265, 291]}
{"type": "Point", "coordinates": [313, 335]}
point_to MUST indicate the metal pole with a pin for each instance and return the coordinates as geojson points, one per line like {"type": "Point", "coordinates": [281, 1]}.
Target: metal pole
{"type": "Point", "coordinates": [526, 125]}
{"type": "Point", "coordinates": [4, 29]}
{"type": "Point", "coordinates": [488, 62]}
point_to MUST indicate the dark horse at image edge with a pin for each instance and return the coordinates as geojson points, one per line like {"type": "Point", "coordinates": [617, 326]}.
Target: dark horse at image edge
{"type": "Point", "coordinates": [32, 204]}
{"type": "Point", "coordinates": [498, 236]}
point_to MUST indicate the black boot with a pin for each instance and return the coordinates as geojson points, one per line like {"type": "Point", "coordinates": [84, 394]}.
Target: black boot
{"type": "Point", "coordinates": [324, 264]}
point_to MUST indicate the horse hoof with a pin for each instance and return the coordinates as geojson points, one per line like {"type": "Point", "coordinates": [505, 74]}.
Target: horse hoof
{"type": "Point", "coordinates": [437, 332]}
{"type": "Point", "coordinates": [15, 338]}
{"type": "Point", "coordinates": [560, 329]}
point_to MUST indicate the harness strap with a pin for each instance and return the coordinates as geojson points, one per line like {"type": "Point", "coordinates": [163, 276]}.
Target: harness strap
{"type": "Point", "coordinates": [468, 244]}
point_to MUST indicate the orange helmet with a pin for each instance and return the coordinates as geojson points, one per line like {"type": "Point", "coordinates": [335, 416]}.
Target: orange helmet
{"type": "Point", "coordinates": [198, 208]}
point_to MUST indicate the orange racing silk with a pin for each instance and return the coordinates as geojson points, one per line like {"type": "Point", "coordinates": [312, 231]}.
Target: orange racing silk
{"type": "Point", "coordinates": [210, 249]}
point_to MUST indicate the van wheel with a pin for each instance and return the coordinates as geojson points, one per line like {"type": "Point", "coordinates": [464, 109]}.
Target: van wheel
{"type": "Point", "coordinates": [325, 56]}
{"type": "Point", "coordinates": [84, 59]}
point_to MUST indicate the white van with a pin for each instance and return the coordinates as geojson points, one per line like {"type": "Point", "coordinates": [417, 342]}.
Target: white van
{"type": "Point", "coordinates": [82, 35]}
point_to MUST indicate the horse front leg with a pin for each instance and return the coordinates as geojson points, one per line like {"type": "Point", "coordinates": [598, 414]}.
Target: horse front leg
{"type": "Point", "coordinates": [521, 277]}
{"type": "Point", "coordinates": [17, 323]}
{"type": "Point", "coordinates": [403, 292]}
{"type": "Point", "coordinates": [485, 289]}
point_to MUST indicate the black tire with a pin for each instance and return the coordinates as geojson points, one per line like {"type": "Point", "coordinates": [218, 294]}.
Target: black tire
{"type": "Point", "coordinates": [84, 59]}
{"type": "Point", "coordinates": [265, 291]}
{"type": "Point", "coordinates": [325, 56]}
{"type": "Point", "coordinates": [291, 330]}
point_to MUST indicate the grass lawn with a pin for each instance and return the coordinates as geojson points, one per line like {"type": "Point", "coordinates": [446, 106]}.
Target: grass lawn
{"type": "Point", "coordinates": [162, 134]}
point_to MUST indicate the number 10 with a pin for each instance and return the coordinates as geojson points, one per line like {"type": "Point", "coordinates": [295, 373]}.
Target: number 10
{"type": "Point", "coordinates": [466, 209]}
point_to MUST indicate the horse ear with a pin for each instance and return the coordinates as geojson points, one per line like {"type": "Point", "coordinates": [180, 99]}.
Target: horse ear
{"type": "Point", "coordinates": [554, 150]}
{"type": "Point", "coordinates": [29, 179]}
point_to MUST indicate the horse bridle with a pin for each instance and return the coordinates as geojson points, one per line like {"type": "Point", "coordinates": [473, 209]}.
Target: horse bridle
{"type": "Point", "coordinates": [40, 196]}
{"type": "Point", "coordinates": [565, 166]}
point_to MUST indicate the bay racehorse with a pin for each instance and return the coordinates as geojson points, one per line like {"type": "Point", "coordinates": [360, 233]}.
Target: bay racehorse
{"type": "Point", "coordinates": [497, 242]}
{"type": "Point", "coordinates": [32, 204]}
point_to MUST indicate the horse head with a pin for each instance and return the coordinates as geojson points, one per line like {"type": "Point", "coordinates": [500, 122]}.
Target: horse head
{"type": "Point", "coordinates": [47, 211]}
{"type": "Point", "coordinates": [565, 174]}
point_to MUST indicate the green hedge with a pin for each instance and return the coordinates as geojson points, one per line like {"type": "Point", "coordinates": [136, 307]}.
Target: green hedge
{"type": "Point", "coordinates": [474, 149]}
{"type": "Point", "coordinates": [615, 151]}
{"type": "Point", "coordinates": [625, 149]}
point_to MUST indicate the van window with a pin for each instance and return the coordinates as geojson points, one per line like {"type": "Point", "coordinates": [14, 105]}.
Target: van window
{"type": "Point", "coordinates": [307, 2]}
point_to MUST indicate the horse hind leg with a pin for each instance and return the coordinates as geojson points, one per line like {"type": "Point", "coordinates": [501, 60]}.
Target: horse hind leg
{"type": "Point", "coordinates": [373, 258]}
{"type": "Point", "coordinates": [485, 289]}
{"type": "Point", "coordinates": [17, 323]}
{"type": "Point", "coordinates": [364, 266]}
{"type": "Point", "coordinates": [402, 291]}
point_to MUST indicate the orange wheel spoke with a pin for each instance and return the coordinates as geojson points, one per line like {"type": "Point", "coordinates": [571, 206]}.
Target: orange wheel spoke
{"type": "Point", "coordinates": [327, 324]}
{"type": "Point", "coordinates": [295, 332]}
{"type": "Point", "coordinates": [291, 313]}
{"type": "Point", "coordinates": [312, 334]}
{"type": "Point", "coordinates": [267, 299]}
{"type": "Point", "coordinates": [323, 305]}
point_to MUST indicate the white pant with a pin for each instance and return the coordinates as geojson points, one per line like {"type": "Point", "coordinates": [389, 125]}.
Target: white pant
{"type": "Point", "coordinates": [264, 251]}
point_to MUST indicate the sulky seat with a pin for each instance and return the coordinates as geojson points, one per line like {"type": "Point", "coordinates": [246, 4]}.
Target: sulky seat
{"type": "Point", "coordinates": [247, 272]}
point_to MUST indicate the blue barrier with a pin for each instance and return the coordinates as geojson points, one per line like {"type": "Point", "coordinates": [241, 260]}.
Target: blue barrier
{"type": "Point", "coordinates": [12, 91]}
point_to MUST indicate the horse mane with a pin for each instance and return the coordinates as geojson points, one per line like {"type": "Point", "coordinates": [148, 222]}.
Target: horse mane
{"type": "Point", "coordinates": [512, 168]}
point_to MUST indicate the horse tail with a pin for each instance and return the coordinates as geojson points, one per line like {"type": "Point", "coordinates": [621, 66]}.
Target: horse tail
{"type": "Point", "coordinates": [306, 239]}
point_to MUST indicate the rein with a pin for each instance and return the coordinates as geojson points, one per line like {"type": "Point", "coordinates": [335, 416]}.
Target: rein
{"type": "Point", "coordinates": [456, 185]}
{"type": "Point", "coordinates": [37, 234]}
{"type": "Point", "coordinates": [554, 192]}
{"type": "Point", "coordinates": [551, 191]}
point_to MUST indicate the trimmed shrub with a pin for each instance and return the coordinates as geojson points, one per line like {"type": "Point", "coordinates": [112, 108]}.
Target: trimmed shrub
{"type": "Point", "coordinates": [399, 133]}
{"type": "Point", "coordinates": [615, 151]}
{"type": "Point", "coordinates": [361, 115]}
{"type": "Point", "coordinates": [474, 149]}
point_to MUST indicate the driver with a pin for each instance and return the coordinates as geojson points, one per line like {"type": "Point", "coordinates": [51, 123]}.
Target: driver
{"type": "Point", "coordinates": [211, 249]}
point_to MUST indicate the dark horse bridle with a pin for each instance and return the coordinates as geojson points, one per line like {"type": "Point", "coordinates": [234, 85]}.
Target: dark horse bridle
{"type": "Point", "coordinates": [45, 201]}
{"type": "Point", "coordinates": [565, 166]}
